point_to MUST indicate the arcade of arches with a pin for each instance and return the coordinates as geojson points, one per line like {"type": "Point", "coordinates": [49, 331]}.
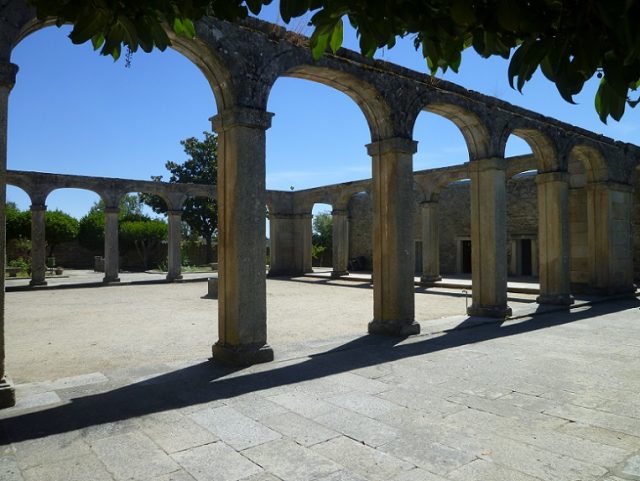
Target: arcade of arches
{"type": "Point", "coordinates": [584, 183]}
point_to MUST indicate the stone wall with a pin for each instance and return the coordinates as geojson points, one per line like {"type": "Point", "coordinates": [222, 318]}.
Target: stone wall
{"type": "Point", "coordinates": [636, 232]}
{"type": "Point", "coordinates": [454, 220]}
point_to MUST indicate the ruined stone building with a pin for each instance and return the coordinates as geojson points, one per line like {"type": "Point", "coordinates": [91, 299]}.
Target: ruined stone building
{"type": "Point", "coordinates": [584, 185]}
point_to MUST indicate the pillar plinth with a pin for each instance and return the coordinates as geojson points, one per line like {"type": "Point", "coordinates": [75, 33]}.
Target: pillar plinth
{"type": "Point", "coordinates": [242, 309]}
{"type": "Point", "coordinates": [340, 239]}
{"type": "Point", "coordinates": [8, 72]}
{"type": "Point", "coordinates": [174, 259]}
{"type": "Point", "coordinates": [38, 245]}
{"type": "Point", "coordinates": [111, 248]}
{"type": "Point", "coordinates": [553, 238]}
{"type": "Point", "coordinates": [430, 243]}
{"type": "Point", "coordinates": [488, 238]}
{"type": "Point", "coordinates": [393, 257]}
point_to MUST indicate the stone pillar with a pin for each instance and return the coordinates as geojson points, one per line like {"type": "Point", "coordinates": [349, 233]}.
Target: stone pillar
{"type": "Point", "coordinates": [8, 73]}
{"type": "Point", "coordinates": [553, 236]}
{"type": "Point", "coordinates": [393, 255]}
{"type": "Point", "coordinates": [610, 243]}
{"type": "Point", "coordinates": [38, 245]}
{"type": "Point", "coordinates": [303, 241]}
{"type": "Point", "coordinates": [340, 239]}
{"type": "Point", "coordinates": [430, 243]}
{"type": "Point", "coordinates": [111, 249]}
{"type": "Point", "coordinates": [174, 258]}
{"type": "Point", "coordinates": [242, 306]}
{"type": "Point", "coordinates": [488, 238]}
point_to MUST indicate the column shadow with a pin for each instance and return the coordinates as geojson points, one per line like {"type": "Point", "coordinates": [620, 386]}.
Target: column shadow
{"type": "Point", "coordinates": [209, 381]}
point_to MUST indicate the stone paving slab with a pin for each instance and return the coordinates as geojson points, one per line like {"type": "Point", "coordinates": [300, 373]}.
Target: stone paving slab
{"type": "Point", "coordinates": [533, 399]}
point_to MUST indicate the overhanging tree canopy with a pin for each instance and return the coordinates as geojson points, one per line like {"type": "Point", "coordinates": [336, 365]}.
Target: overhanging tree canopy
{"type": "Point", "coordinates": [569, 40]}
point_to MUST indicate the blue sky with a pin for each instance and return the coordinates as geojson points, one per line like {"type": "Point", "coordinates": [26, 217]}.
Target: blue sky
{"type": "Point", "coordinates": [75, 112]}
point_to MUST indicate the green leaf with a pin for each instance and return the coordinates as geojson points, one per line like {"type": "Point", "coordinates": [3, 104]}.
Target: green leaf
{"type": "Point", "coordinates": [319, 44]}
{"type": "Point", "coordinates": [336, 36]}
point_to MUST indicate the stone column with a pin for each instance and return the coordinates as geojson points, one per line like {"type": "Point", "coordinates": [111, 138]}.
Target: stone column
{"type": "Point", "coordinates": [8, 73]}
{"type": "Point", "coordinates": [488, 238]}
{"type": "Point", "coordinates": [553, 236]}
{"type": "Point", "coordinates": [303, 241]}
{"type": "Point", "coordinates": [38, 245]}
{"type": "Point", "coordinates": [242, 307]}
{"type": "Point", "coordinates": [340, 239]}
{"type": "Point", "coordinates": [111, 249]}
{"type": "Point", "coordinates": [610, 243]}
{"type": "Point", "coordinates": [174, 259]}
{"type": "Point", "coordinates": [430, 243]}
{"type": "Point", "coordinates": [393, 256]}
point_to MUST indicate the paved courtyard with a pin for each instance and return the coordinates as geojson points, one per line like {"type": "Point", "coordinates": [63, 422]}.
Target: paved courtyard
{"type": "Point", "coordinates": [114, 384]}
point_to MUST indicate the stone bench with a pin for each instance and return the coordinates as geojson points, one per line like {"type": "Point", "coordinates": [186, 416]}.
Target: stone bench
{"type": "Point", "coordinates": [212, 285]}
{"type": "Point", "coordinates": [12, 271]}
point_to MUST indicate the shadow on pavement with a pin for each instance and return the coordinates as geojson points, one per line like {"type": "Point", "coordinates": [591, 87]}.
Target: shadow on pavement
{"type": "Point", "coordinates": [207, 381]}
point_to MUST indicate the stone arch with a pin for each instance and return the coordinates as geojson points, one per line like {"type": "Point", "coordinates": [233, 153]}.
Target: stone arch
{"type": "Point", "coordinates": [542, 147]}
{"type": "Point", "coordinates": [476, 133]}
{"type": "Point", "coordinates": [592, 161]}
{"type": "Point", "coordinates": [368, 98]}
{"type": "Point", "coordinates": [203, 57]}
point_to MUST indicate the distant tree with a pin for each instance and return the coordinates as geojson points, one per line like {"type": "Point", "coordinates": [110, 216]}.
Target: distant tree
{"type": "Point", "coordinates": [18, 222]}
{"type": "Point", "coordinates": [59, 227]}
{"type": "Point", "coordinates": [199, 214]}
{"type": "Point", "coordinates": [91, 230]}
{"type": "Point", "coordinates": [130, 208]}
{"type": "Point", "coordinates": [143, 236]}
{"type": "Point", "coordinates": [322, 238]}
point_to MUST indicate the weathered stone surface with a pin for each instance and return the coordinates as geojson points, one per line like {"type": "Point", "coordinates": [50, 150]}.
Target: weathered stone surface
{"type": "Point", "coordinates": [216, 462]}
{"type": "Point", "coordinates": [72, 469]}
{"type": "Point", "coordinates": [300, 429]}
{"type": "Point", "coordinates": [361, 428]}
{"type": "Point", "coordinates": [290, 461]}
{"type": "Point", "coordinates": [370, 463]}
{"type": "Point", "coordinates": [364, 404]}
{"type": "Point", "coordinates": [175, 432]}
{"type": "Point", "coordinates": [133, 456]}
{"type": "Point", "coordinates": [235, 429]}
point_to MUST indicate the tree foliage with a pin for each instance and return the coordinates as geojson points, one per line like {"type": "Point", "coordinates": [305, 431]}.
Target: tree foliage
{"type": "Point", "coordinates": [59, 227]}
{"type": "Point", "coordinates": [143, 236]}
{"type": "Point", "coordinates": [91, 230]}
{"type": "Point", "coordinates": [130, 208]}
{"type": "Point", "coordinates": [199, 214]}
{"type": "Point", "coordinates": [322, 237]}
{"type": "Point", "coordinates": [18, 222]}
{"type": "Point", "coordinates": [569, 40]}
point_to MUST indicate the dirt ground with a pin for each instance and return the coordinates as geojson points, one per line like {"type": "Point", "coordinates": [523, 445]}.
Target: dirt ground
{"type": "Point", "coordinates": [55, 333]}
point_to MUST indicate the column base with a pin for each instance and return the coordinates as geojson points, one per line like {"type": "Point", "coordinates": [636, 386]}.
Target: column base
{"type": "Point", "coordinates": [555, 299]}
{"type": "Point", "coordinates": [393, 328]}
{"type": "Point", "coordinates": [33, 283]}
{"type": "Point", "coordinates": [336, 274]}
{"type": "Point", "coordinates": [174, 278]}
{"type": "Point", "coordinates": [429, 280]}
{"type": "Point", "coordinates": [285, 273]}
{"type": "Point", "coordinates": [489, 311]}
{"type": "Point", "coordinates": [242, 355]}
{"type": "Point", "coordinates": [7, 393]}
{"type": "Point", "coordinates": [108, 280]}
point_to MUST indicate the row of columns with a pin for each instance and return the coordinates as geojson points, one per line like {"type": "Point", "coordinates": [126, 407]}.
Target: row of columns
{"type": "Point", "coordinates": [111, 246]}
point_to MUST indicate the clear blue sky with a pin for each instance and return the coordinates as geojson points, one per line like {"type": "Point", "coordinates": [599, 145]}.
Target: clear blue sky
{"type": "Point", "coordinates": [75, 112]}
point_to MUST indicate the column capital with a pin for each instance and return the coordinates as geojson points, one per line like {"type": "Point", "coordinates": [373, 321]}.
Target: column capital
{"type": "Point", "coordinates": [37, 207]}
{"type": "Point", "coordinates": [491, 163]}
{"type": "Point", "coordinates": [174, 212]}
{"type": "Point", "coordinates": [425, 204]}
{"type": "Point", "coordinates": [241, 116]}
{"type": "Point", "coordinates": [112, 210]}
{"type": "Point", "coordinates": [545, 177]}
{"type": "Point", "coordinates": [8, 72]}
{"type": "Point", "coordinates": [610, 185]}
{"type": "Point", "coordinates": [393, 144]}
